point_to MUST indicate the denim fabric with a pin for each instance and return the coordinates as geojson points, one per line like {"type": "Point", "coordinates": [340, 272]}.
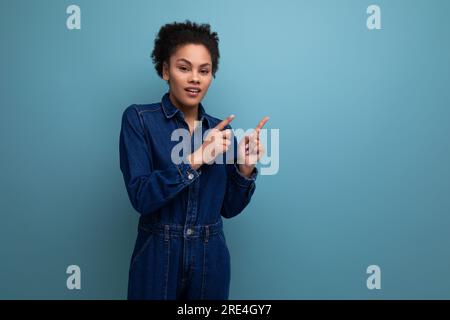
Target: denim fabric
{"type": "Point", "coordinates": [180, 250]}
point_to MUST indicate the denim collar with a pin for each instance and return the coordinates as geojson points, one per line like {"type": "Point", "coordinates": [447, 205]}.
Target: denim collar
{"type": "Point", "coordinates": [170, 110]}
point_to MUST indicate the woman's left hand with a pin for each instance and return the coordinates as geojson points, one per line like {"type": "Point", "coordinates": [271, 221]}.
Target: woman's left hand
{"type": "Point", "coordinates": [250, 150]}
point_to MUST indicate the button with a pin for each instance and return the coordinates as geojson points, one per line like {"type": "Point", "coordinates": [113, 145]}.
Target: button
{"type": "Point", "coordinates": [189, 232]}
{"type": "Point", "coordinates": [190, 176]}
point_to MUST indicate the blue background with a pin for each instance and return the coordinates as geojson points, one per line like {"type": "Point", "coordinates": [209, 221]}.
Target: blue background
{"type": "Point", "coordinates": [364, 152]}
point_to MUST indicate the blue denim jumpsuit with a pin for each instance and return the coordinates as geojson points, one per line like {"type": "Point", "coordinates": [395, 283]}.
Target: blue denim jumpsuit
{"type": "Point", "coordinates": [180, 250]}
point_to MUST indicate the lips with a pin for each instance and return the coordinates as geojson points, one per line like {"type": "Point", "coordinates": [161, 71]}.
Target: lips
{"type": "Point", "coordinates": [193, 89]}
{"type": "Point", "coordinates": [193, 92]}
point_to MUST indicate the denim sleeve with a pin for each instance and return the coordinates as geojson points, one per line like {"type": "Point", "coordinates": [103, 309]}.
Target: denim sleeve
{"type": "Point", "coordinates": [239, 189]}
{"type": "Point", "coordinates": [148, 189]}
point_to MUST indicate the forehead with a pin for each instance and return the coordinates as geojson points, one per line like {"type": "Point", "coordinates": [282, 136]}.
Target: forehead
{"type": "Point", "coordinates": [197, 54]}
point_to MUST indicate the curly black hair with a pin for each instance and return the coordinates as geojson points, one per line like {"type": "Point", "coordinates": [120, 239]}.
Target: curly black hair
{"type": "Point", "coordinates": [173, 35]}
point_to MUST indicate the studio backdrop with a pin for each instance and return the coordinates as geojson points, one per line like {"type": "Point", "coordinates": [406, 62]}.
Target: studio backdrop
{"type": "Point", "coordinates": [354, 199]}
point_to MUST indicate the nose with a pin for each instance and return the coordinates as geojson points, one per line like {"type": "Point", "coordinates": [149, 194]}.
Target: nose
{"type": "Point", "coordinates": [194, 77]}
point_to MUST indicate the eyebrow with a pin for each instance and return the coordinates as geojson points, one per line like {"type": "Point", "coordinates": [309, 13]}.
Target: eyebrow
{"type": "Point", "coordinates": [188, 62]}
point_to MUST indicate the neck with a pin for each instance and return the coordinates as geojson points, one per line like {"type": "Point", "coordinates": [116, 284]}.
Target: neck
{"type": "Point", "coordinates": [190, 113]}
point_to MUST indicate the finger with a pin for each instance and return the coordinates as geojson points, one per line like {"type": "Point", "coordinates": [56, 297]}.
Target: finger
{"type": "Point", "coordinates": [255, 134]}
{"type": "Point", "coordinates": [226, 134]}
{"type": "Point", "coordinates": [253, 140]}
{"type": "Point", "coordinates": [228, 142]}
{"type": "Point", "coordinates": [224, 148]}
{"type": "Point", "coordinates": [261, 123]}
{"type": "Point", "coordinates": [211, 134]}
{"type": "Point", "coordinates": [246, 142]}
{"type": "Point", "coordinates": [252, 146]}
{"type": "Point", "coordinates": [254, 149]}
{"type": "Point", "coordinates": [224, 123]}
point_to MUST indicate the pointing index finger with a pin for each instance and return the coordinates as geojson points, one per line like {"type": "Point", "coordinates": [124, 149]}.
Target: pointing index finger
{"type": "Point", "coordinates": [261, 123]}
{"type": "Point", "coordinates": [225, 122]}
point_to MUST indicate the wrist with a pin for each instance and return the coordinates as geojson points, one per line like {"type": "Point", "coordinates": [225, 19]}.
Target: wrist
{"type": "Point", "coordinates": [246, 170]}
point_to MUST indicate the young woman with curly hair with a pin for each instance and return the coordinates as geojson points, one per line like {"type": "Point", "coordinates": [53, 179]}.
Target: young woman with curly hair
{"type": "Point", "coordinates": [180, 250]}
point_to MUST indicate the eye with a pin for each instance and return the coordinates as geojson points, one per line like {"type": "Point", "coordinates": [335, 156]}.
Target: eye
{"type": "Point", "coordinates": [183, 68]}
{"type": "Point", "coordinates": [205, 71]}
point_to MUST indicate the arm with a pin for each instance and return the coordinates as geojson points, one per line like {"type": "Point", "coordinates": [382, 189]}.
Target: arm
{"type": "Point", "coordinates": [239, 190]}
{"type": "Point", "coordinates": [148, 189]}
{"type": "Point", "coordinates": [242, 173]}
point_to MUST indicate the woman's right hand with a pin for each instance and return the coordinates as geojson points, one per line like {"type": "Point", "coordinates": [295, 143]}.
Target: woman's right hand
{"type": "Point", "coordinates": [216, 142]}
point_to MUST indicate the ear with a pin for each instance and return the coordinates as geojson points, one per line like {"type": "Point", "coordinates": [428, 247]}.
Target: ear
{"type": "Point", "coordinates": [165, 71]}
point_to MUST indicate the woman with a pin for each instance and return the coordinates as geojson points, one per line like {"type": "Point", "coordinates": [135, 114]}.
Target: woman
{"type": "Point", "coordinates": [180, 250]}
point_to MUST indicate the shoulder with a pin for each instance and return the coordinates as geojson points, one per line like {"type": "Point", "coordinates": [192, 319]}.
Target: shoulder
{"type": "Point", "coordinates": [134, 114]}
{"type": "Point", "coordinates": [142, 108]}
{"type": "Point", "coordinates": [135, 110]}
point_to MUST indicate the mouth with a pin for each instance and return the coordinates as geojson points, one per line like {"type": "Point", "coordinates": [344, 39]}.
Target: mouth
{"type": "Point", "coordinates": [193, 91]}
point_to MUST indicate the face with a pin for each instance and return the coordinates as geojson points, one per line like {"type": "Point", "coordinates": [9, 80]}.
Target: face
{"type": "Point", "coordinates": [190, 74]}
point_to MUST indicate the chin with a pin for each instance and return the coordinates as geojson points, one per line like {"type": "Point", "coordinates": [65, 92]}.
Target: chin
{"type": "Point", "coordinates": [188, 101]}
{"type": "Point", "coordinates": [192, 102]}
